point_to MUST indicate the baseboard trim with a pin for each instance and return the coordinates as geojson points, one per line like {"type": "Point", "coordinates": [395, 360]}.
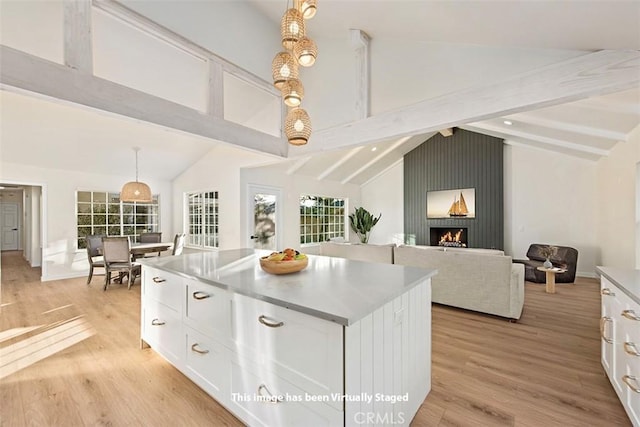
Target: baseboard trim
{"type": "Point", "coordinates": [50, 278]}
{"type": "Point", "coordinates": [590, 274]}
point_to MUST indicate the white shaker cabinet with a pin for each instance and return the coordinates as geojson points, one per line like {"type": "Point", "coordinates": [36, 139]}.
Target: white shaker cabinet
{"type": "Point", "coordinates": [288, 351]}
{"type": "Point", "coordinates": [620, 339]}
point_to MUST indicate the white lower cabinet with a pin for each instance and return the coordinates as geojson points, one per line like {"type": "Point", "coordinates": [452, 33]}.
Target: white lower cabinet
{"type": "Point", "coordinates": [207, 363]}
{"type": "Point", "coordinates": [266, 399]}
{"type": "Point", "coordinates": [620, 340]}
{"type": "Point", "coordinates": [273, 366]}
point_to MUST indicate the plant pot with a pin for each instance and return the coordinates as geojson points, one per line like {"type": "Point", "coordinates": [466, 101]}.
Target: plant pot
{"type": "Point", "coordinates": [547, 264]}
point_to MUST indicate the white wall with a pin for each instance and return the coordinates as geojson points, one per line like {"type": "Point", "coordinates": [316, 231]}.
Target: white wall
{"type": "Point", "coordinates": [385, 194]}
{"type": "Point", "coordinates": [616, 192]}
{"type": "Point", "coordinates": [218, 170]}
{"type": "Point", "coordinates": [34, 194]}
{"type": "Point", "coordinates": [550, 198]}
{"type": "Point", "coordinates": [61, 258]}
{"type": "Point", "coordinates": [229, 29]}
{"type": "Point", "coordinates": [294, 186]}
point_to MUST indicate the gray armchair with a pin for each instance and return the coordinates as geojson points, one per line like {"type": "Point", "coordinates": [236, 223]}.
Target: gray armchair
{"type": "Point", "coordinates": [566, 258]}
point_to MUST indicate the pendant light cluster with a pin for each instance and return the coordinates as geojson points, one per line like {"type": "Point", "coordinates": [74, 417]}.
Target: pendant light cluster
{"type": "Point", "coordinates": [300, 50]}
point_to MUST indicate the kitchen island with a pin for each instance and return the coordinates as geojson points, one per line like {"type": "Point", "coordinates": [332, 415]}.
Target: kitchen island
{"type": "Point", "coordinates": [340, 343]}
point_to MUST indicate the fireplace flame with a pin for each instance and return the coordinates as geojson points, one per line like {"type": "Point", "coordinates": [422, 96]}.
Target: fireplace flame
{"type": "Point", "coordinates": [450, 239]}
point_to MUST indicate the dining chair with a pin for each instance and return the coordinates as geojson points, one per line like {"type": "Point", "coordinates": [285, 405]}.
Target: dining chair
{"type": "Point", "coordinates": [94, 254]}
{"type": "Point", "coordinates": [117, 258]}
{"type": "Point", "coordinates": [178, 243]}
{"type": "Point", "coordinates": [151, 237]}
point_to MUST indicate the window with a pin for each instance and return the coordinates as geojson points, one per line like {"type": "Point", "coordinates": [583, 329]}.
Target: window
{"type": "Point", "coordinates": [202, 219]}
{"type": "Point", "coordinates": [104, 213]}
{"type": "Point", "coordinates": [321, 218]}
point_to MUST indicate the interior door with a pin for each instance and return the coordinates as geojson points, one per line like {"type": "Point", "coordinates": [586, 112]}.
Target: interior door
{"type": "Point", "coordinates": [264, 217]}
{"type": "Point", "coordinates": [10, 226]}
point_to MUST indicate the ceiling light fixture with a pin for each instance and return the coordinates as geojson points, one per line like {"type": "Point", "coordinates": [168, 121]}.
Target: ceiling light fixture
{"type": "Point", "coordinates": [136, 191]}
{"type": "Point", "coordinates": [508, 122]}
{"type": "Point", "coordinates": [300, 50]}
{"type": "Point", "coordinates": [307, 8]}
{"type": "Point", "coordinates": [297, 126]}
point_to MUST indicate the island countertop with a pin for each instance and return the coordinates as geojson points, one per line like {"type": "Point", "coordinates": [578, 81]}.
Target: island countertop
{"type": "Point", "coordinates": [628, 280]}
{"type": "Point", "coordinates": [334, 289]}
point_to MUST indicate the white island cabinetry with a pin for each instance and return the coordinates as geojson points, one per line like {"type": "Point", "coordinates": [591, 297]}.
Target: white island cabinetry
{"type": "Point", "coordinates": [290, 350]}
{"type": "Point", "coordinates": [620, 335]}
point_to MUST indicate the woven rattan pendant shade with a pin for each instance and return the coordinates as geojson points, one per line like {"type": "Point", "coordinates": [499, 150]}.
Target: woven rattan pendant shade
{"type": "Point", "coordinates": [297, 126]}
{"type": "Point", "coordinates": [305, 51]}
{"type": "Point", "coordinates": [136, 191]}
{"type": "Point", "coordinates": [292, 92]}
{"type": "Point", "coordinates": [283, 68]}
{"type": "Point", "coordinates": [307, 8]}
{"type": "Point", "coordinates": [291, 28]}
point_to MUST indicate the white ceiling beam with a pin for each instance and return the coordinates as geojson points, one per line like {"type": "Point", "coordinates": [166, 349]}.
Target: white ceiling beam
{"type": "Point", "coordinates": [360, 41]}
{"type": "Point", "coordinates": [569, 127]}
{"type": "Point", "coordinates": [78, 44]}
{"type": "Point", "coordinates": [340, 162]}
{"type": "Point", "coordinates": [502, 132]}
{"type": "Point", "coordinates": [32, 74]}
{"type": "Point", "coordinates": [604, 104]}
{"type": "Point", "coordinates": [591, 74]}
{"type": "Point", "coordinates": [297, 165]}
{"type": "Point", "coordinates": [367, 165]}
{"type": "Point", "coordinates": [533, 145]}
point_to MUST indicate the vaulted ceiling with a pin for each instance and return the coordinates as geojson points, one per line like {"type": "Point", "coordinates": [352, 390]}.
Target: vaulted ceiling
{"type": "Point", "coordinates": [586, 128]}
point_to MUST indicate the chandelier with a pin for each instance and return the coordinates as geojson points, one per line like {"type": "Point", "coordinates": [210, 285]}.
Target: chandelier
{"type": "Point", "coordinates": [299, 50]}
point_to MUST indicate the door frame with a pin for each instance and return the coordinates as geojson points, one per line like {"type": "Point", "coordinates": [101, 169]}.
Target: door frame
{"type": "Point", "coordinates": [258, 188]}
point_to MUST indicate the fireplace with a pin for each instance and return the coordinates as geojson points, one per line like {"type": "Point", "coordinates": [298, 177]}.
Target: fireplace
{"type": "Point", "coordinates": [455, 237]}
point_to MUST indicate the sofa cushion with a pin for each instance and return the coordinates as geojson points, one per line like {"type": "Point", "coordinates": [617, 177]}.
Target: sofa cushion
{"type": "Point", "coordinates": [359, 252]}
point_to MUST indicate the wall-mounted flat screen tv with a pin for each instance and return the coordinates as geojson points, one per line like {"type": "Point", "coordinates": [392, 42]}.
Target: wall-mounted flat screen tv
{"type": "Point", "coordinates": [459, 203]}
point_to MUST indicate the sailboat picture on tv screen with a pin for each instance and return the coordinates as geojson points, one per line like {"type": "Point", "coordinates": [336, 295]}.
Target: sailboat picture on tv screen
{"type": "Point", "coordinates": [459, 203]}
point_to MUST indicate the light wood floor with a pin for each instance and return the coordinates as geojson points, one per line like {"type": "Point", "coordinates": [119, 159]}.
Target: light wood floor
{"type": "Point", "coordinates": [542, 371]}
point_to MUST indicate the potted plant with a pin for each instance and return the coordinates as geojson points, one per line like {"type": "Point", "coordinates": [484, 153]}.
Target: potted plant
{"type": "Point", "coordinates": [547, 252]}
{"type": "Point", "coordinates": [362, 222]}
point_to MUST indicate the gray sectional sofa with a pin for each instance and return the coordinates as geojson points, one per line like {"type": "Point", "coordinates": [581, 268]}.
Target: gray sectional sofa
{"type": "Point", "coordinates": [482, 280]}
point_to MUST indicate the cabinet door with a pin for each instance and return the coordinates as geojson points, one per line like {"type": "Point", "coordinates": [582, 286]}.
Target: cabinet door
{"type": "Point", "coordinates": [207, 363]}
{"type": "Point", "coordinates": [303, 349]}
{"type": "Point", "coordinates": [627, 352]}
{"type": "Point", "coordinates": [163, 287]}
{"type": "Point", "coordinates": [208, 310]}
{"type": "Point", "coordinates": [262, 398]}
{"type": "Point", "coordinates": [607, 327]}
{"type": "Point", "coordinates": [162, 330]}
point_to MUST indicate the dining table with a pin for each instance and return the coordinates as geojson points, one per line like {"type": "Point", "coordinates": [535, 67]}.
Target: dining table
{"type": "Point", "coordinates": [138, 250]}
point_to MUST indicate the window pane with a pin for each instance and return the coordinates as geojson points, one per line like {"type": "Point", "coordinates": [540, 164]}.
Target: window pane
{"type": "Point", "coordinates": [321, 218]}
{"type": "Point", "coordinates": [84, 196]}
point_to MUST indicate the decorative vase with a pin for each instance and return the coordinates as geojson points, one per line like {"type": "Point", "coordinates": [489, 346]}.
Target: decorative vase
{"type": "Point", "coordinates": [547, 264]}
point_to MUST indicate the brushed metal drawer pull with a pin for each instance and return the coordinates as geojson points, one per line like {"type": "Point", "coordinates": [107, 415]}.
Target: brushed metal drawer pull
{"type": "Point", "coordinates": [627, 380]}
{"type": "Point", "coordinates": [270, 398]}
{"type": "Point", "coordinates": [607, 291]}
{"type": "Point", "coordinates": [262, 319]}
{"type": "Point", "coordinates": [157, 322]}
{"type": "Point", "coordinates": [200, 295]}
{"type": "Point", "coordinates": [630, 314]}
{"type": "Point", "coordinates": [630, 348]}
{"type": "Point", "coordinates": [197, 350]}
{"type": "Point", "coordinates": [603, 321]}
{"type": "Point", "coordinates": [159, 280]}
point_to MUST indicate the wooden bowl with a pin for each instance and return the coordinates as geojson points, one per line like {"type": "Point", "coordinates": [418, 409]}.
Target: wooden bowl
{"type": "Point", "coordinates": [283, 267]}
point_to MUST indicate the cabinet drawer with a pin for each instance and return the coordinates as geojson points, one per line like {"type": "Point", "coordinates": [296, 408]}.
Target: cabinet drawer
{"type": "Point", "coordinates": [164, 287]}
{"type": "Point", "coordinates": [207, 363]}
{"type": "Point", "coordinates": [305, 350]}
{"type": "Point", "coordinates": [162, 330]}
{"type": "Point", "coordinates": [208, 310]}
{"type": "Point", "coordinates": [261, 398]}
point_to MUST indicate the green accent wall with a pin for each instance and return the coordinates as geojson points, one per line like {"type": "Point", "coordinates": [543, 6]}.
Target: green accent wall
{"type": "Point", "coordinates": [464, 160]}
